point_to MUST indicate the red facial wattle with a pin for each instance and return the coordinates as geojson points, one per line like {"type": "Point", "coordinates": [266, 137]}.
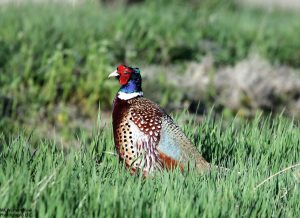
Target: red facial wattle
{"type": "Point", "coordinates": [125, 74]}
{"type": "Point", "coordinates": [124, 78]}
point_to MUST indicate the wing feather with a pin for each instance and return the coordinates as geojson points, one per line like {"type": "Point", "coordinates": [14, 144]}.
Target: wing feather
{"type": "Point", "coordinates": [163, 142]}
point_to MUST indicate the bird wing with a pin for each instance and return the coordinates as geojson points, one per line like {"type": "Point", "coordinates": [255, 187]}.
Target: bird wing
{"type": "Point", "coordinates": [146, 118]}
{"type": "Point", "coordinates": [160, 138]}
{"type": "Point", "coordinates": [174, 143]}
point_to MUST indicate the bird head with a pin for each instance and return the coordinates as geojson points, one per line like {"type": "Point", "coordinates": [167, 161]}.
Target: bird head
{"type": "Point", "coordinates": [129, 78]}
{"type": "Point", "coordinates": [125, 73]}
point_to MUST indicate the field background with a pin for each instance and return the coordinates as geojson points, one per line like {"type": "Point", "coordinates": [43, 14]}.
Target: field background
{"type": "Point", "coordinates": [228, 72]}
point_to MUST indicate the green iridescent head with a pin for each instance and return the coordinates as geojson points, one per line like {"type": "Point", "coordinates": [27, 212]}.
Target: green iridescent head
{"type": "Point", "coordinates": [129, 78]}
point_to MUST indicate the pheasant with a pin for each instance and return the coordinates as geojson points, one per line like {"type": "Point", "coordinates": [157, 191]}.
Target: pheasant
{"type": "Point", "coordinates": [146, 138]}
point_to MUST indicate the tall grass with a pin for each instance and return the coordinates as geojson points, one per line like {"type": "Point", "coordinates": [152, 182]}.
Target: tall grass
{"type": "Point", "coordinates": [52, 56]}
{"type": "Point", "coordinates": [91, 182]}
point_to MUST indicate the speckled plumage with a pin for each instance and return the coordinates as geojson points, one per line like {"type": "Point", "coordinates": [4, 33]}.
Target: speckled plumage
{"type": "Point", "coordinates": [146, 138]}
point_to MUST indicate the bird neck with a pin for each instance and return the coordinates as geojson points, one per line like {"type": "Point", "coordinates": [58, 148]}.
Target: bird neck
{"type": "Point", "coordinates": [130, 90]}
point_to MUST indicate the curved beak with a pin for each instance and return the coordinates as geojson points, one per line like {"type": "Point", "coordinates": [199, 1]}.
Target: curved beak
{"type": "Point", "coordinates": [113, 74]}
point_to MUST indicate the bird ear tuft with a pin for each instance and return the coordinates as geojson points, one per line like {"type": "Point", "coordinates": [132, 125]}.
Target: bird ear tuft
{"type": "Point", "coordinates": [137, 70]}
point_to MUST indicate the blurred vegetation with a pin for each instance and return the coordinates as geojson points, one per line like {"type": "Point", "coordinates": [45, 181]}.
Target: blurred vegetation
{"type": "Point", "coordinates": [57, 54]}
{"type": "Point", "coordinates": [54, 61]}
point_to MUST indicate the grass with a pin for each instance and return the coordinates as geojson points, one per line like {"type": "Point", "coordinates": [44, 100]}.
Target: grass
{"type": "Point", "coordinates": [52, 54]}
{"type": "Point", "coordinates": [91, 182]}
{"type": "Point", "coordinates": [53, 57]}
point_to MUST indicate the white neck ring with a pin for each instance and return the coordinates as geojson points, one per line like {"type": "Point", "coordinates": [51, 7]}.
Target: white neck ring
{"type": "Point", "coordinates": [127, 96]}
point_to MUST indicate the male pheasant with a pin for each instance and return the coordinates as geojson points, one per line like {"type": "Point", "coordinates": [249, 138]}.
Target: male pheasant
{"type": "Point", "coordinates": [146, 138]}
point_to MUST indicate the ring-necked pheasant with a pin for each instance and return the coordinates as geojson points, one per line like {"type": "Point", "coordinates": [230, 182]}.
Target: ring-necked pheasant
{"type": "Point", "coordinates": [146, 138]}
